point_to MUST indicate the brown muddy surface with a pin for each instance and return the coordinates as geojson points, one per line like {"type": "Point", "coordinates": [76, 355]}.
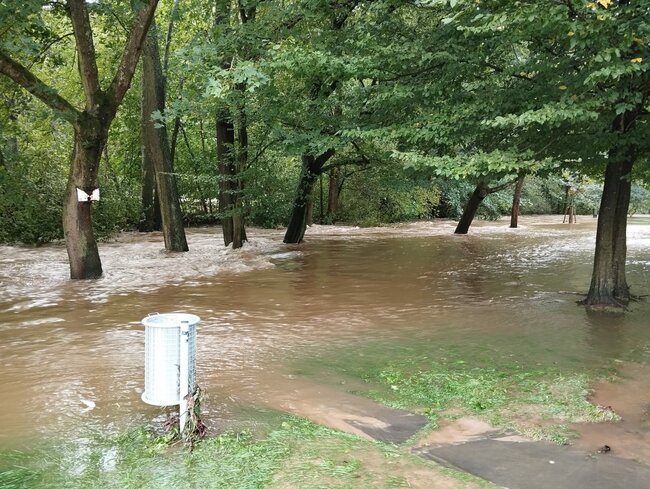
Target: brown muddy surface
{"type": "Point", "coordinates": [458, 431]}
{"type": "Point", "coordinates": [629, 397]}
{"type": "Point", "coordinates": [277, 322]}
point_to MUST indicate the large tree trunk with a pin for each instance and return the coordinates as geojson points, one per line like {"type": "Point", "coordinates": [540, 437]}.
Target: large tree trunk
{"type": "Point", "coordinates": [474, 202]}
{"type": "Point", "coordinates": [621, 288]}
{"type": "Point", "coordinates": [232, 223]}
{"type": "Point", "coordinates": [311, 169]}
{"type": "Point", "coordinates": [157, 146]}
{"type": "Point", "coordinates": [516, 201]}
{"type": "Point", "coordinates": [227, 172]}
{"type": "Point", "coordinates": [608, 284]}
{"type": "Point", "coordinates": [83, 254]}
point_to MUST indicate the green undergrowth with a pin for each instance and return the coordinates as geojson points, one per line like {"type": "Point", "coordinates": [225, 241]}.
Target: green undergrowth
{"type": "Point", "coordinates": [287, 452]}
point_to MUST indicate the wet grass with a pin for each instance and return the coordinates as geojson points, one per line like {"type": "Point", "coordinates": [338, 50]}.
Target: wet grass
{"type": "Point", "coordinates": [539, 400]}
{"type": "Point", "coordinates": [140, 459]}
{"type": "Point", "coordinates": [288, 452]}
{"type": "Point", "coordinates": [538, 403]}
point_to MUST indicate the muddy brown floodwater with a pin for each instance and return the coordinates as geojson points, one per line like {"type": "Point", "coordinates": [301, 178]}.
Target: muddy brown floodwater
{"type": "Point", "coordinates": [72, 352]}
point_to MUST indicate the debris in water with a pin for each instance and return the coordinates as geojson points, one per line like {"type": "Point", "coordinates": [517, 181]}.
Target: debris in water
{"type": "Point", "coordinates": [90, 405]}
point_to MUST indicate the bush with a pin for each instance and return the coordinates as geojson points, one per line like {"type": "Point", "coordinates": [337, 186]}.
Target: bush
{"type": "Point", "coordinates": [385, 194]}
{"type": "Point", "coordinates": [31, 204]}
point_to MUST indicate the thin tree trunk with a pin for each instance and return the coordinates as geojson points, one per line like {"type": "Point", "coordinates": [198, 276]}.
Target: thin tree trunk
{"type": "Point", "coordinates": [480, 192]}
{"type": "Point", "coordinates": [232, 223]}
{"type": "Point", "coordinates": [239, 229]}
{"type": "Point", "coordinates": [157, 146]}
{"type": "Point", "coordinates": [149, 198]}
{"type": "Point", "coordinates": [300, 211]}
{"type": "Point", "coordinates": [310, 212]}
{"type": "Point", "coordinates": [226, 159]}
{"type": "Point", "coordinates": [516, 201]}
{"type": "Point", "coordinates": [333, 195]}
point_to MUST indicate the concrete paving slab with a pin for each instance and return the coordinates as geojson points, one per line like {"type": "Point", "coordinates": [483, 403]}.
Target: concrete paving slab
{"type": "Point", "coordinates": [332, 406]}
{"type": "Point", "coordinates": [394, 426]}
{"type": "Point", "coordinates": [539, 465]}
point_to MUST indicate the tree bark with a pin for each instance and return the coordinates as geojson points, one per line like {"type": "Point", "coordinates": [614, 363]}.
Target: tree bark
{"type": "Point", "coordinates": [149, 199]}
{"type": "Point", "coordinates": [609, 287]}
{"type": "Point", "coordinates": [83, 254]}
{"type": "Point", "coordinates": [90, 125]}
{"type": "Point", "coordinates": [516, 201]}
{"type": "Point", "coordinates": [230, 161]}
{"type": "Point", "coordinates": [156, 146]}
{"type": "Point", "coordinates": [227, 171]}
{"type": "Point", "coordinates": [311, 169]}
{"type": "Point", "coordinates": [480, 192]}
{"type": "Point", "coordinates": [333, 195]}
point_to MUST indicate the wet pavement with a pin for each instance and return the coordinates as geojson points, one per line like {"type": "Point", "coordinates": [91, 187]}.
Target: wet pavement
{"type": "Point", "coordinates": [539, 465]}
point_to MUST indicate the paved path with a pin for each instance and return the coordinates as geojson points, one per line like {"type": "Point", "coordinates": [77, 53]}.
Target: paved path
{"type": "Point", "coordinates": [539, 465]}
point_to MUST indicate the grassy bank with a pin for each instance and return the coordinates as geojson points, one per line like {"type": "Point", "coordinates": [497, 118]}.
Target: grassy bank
{"type": "Point", "coordinates": [292, 453]}
{"type": "Point", "coordinates": [282, 451]}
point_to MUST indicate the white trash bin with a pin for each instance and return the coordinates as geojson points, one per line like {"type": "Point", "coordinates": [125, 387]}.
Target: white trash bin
{"type": "Point", "coordinates": [169, 357]}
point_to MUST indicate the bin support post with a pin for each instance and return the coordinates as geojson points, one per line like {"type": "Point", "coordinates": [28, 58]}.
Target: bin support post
{"type": "Point", "coordinates": [184, 378]}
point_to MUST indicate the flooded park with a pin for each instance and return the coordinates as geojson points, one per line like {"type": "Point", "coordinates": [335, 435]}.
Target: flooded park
{"type": "Point", "coordinates": [287, 328]}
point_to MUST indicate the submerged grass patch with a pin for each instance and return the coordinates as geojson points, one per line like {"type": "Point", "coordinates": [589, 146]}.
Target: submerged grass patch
{"type": "Point", "coordinates": [539, 403]}
{"type": "Point", "coordinates": [139, 459]}
{"type": "Point", "coordinates": [292, 453]}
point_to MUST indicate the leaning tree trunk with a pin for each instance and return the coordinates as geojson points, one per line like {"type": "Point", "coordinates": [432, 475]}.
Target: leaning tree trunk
{"type": "Point", "coordinates": [83, 254]}
{"type": "Point", "coordinates": [300, 211]}
{"type": "Point", "coordinates": [157, 146]}
{"type": "Point", "coordinates": [608, 284]}
{"type": "Point", "coordinates": [312, 167]}
{"type": "Point", "coordinates": [516, 201]}
{"type": "Point", "coordinates": [474, 202]}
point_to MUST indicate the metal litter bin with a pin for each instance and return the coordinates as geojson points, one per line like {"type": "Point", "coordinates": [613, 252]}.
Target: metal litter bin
{"type": "Point", "coordinates": [169, 357]}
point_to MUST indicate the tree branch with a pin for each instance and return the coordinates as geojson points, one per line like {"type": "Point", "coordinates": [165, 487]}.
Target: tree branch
{"type": "Point", "coordinates": [30, 82]}
{"type": "Point", "coordinates": [498, 69]}
{"type": "Point", "coordinates": [48, 46]}
{"type": "Point", "coordinates": [130, 56]}
{"type": "Point", "coordinates": [168, 38]}
{"type": "Point", "coordinates": [491, 190]}
{"type": "Point", "coordinates": [83, 35]}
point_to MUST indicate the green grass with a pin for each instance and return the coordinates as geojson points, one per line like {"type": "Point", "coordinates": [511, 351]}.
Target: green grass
{"type": "Point", "coordinates": [139, 459]}
{"type": "Point", "coordinates": [282, 451]}
{"type": "Point", "coordinates": [540, 403]}
{"type": "Point", "coordinates": [292, 453]}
